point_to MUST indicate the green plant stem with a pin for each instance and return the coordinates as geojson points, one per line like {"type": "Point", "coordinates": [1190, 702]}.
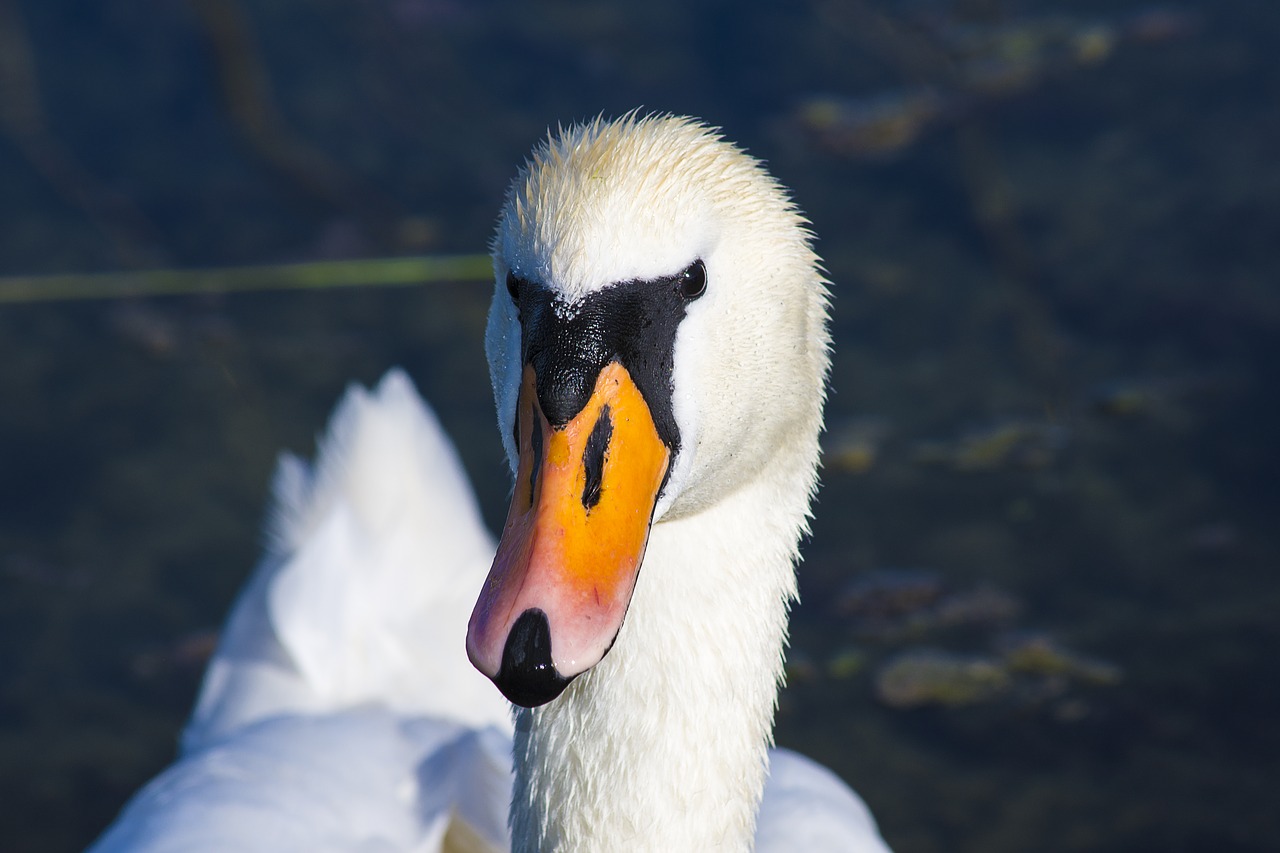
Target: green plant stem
{"type": "Point", "coordinates": [310, 275]}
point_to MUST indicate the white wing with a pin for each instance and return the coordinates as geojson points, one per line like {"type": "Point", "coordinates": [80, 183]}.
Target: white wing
{"type": "Point", "coordinates": [340, 711]}
{"type": "Point", "coordinates": [808, 808]}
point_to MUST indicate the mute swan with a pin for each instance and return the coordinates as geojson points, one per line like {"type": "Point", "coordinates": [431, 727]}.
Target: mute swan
{"type": "Point", "coordinates": [658, 349]}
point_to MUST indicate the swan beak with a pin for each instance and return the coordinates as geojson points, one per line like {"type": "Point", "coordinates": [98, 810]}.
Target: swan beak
{"type": "Point", "coordinates": [573, 540]}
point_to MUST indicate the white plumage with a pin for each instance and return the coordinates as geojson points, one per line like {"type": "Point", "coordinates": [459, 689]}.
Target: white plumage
{"type": "Point", "coordinates": [340, 712]}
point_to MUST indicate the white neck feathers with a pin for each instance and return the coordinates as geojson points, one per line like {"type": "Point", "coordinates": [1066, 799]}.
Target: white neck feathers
{"type": "Point", "coordinates": [662, 746]}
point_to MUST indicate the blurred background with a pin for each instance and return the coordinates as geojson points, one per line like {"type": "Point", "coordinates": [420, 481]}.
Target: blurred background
{"type": "Point", "coordinates": [1040, 596]}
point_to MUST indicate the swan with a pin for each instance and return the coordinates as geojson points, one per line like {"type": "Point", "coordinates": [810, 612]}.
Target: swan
{"type": "Point", "coordinates": [658, 350]}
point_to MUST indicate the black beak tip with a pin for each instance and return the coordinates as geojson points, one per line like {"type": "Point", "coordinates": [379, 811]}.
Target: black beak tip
{"type": "Point", "coordinates": [527, 676]}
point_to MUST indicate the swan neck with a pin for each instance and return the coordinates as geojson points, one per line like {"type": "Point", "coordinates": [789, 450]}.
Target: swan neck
{"type": "Point", "coordinates": [663, 745]}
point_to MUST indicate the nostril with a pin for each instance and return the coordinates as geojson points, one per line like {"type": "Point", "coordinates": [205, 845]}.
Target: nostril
{"type": "Point", "coordinates": [535, 443]}
{"type": "Point", "coordinates": [527, 676]}
{"type": "Point", "coordinates": [593, 459]}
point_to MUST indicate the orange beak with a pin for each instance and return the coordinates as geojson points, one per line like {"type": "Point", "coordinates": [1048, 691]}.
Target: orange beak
{"type": "Point", "coordinates": [573, 541]}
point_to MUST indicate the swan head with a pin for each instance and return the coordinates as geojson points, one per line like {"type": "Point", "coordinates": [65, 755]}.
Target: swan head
{"type": "Point", "coordinates": [657, 339]}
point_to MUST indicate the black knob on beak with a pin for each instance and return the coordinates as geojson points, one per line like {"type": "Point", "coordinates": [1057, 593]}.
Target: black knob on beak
{"type": "Point", "coordinates": [527, 676]}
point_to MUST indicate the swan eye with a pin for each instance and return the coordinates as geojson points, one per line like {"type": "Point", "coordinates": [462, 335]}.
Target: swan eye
{"type": "Point", "coordinates": [692, 283]}
{"type": "Point", "coordinates": [513, 286]}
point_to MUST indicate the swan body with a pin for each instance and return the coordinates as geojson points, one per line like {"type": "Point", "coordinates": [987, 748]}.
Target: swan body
{"type": "Point", "coordinates": [658, 303]}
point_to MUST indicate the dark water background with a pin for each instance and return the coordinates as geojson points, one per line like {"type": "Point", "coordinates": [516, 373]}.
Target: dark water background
{"type": "Point", "coordinates": [1052, 233]}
